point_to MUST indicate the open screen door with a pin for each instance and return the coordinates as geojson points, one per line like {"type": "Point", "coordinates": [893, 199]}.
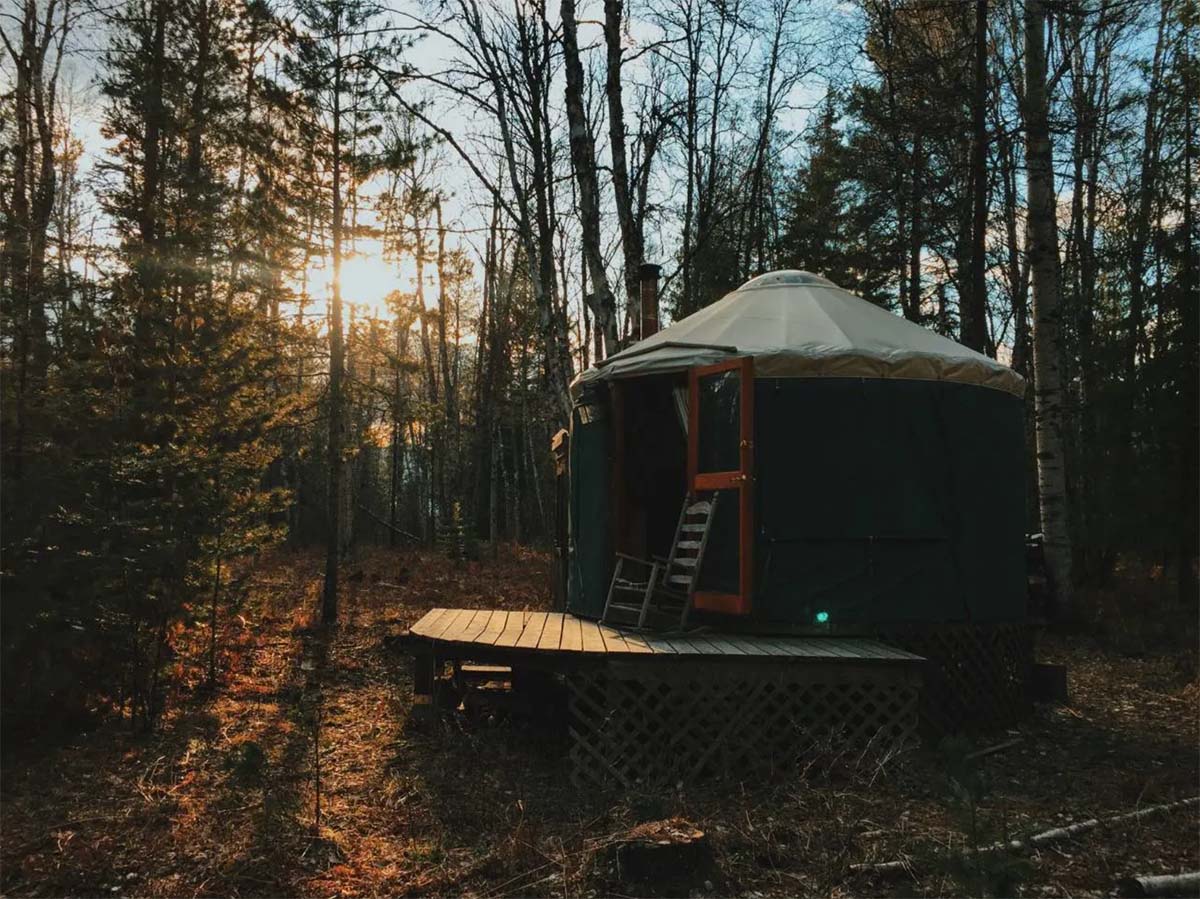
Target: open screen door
{"type": "Point", "coordinates": [721, 462]}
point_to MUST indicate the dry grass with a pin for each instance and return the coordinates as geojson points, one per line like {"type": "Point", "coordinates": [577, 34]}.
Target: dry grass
{"type": "Point", "coordinates": [222, 799]}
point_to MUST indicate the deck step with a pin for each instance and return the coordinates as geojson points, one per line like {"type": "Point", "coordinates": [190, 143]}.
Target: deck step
{"type": "Point", "coordinates": [490, 671]}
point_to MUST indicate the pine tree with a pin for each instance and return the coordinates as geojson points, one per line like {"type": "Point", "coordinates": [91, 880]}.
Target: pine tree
{"type": "Point", "coordinates": [339, 47]}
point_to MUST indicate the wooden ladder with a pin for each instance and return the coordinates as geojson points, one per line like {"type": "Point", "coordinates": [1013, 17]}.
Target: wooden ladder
{"type": "Point", "coordinates": [659, 591]}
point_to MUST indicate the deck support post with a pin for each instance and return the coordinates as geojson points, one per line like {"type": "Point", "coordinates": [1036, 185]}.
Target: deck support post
{"type": "Point", "coordinates": [424, 708]}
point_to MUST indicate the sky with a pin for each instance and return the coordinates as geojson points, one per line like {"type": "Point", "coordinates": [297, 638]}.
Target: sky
{"type": "Point", "coordinates": [367, 277]}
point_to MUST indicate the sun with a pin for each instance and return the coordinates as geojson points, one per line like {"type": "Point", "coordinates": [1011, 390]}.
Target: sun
{"type": "Point", "coordinates": [367, 279]}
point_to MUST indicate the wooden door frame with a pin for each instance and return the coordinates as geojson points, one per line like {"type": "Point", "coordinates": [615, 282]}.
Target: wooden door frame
{"type": "Point", "coordinates": [741, 480]}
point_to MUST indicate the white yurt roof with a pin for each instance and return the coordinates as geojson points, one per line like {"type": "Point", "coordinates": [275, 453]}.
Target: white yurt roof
{"type": "Point", "coordinates": [796, 325]}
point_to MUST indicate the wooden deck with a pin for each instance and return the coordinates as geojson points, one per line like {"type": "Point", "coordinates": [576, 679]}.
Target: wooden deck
{"type": "Point", "coordinates": [660, 707]}
{"type": "Point", "coordinates": [495, 632]}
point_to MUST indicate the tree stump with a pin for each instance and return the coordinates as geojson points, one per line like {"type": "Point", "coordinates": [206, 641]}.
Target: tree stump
{"type": "Point", "coordinates": [670, 858]}
{"type": "Point", "coordinates": [1050, 683]}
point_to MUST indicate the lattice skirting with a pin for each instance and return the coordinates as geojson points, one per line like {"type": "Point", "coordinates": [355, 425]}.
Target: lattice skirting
{"type": "Point", "coordinates": [646, 727]}
{"type": "Point", "coordinates": [977, 676]}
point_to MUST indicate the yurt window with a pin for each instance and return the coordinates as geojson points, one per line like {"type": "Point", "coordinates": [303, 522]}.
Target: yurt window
{"type": "Point", "coordinates": [590, 407]}
{"type": "Point", "coordinates": [721, 416]}
{"type": "Point", "coordinates": [590, 412]}
{"type": "Point", "coordinates": [681, 407]}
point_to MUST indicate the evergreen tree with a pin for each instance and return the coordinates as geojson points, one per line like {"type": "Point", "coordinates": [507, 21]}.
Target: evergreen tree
{"type": "Point", "coordinates": [340, 46]}
{"type": "Point", "coordinates": [162, 394]}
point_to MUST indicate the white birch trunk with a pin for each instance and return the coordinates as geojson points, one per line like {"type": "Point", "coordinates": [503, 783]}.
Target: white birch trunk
{"type": "Point", "coordinates": [1047, 348]}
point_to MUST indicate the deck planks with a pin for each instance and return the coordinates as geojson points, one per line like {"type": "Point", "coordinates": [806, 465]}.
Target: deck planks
{"type": "Point", "coordinates": [513, 628]}
{"type": "Point", "coordinates": [478, 624]}
{"type": "Point", "coordinates": [593, 640]}
{"type": "Point", "coordinates": [456, 628]}
{"type": "Point", "coordinates": [614, 640]}
{"type": "Point", "coordinates": [437, 621]}
{"type": "Point", "coordinates": [494, 628]}
{"type": "Point", "coordinates": [533, 631]}
{"type": "Point", "coordinates": [562, 633]}
{"type": "Point", "coordinates": [552, 635]}
{"type": "Point", "coordinates": [719, 646]}
{"type": "Point", "coordinates": [572, 634]}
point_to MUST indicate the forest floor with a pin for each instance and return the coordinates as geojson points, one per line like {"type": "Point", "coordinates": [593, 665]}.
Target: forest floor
{"type": "Point", "coordinates": [222, 799]}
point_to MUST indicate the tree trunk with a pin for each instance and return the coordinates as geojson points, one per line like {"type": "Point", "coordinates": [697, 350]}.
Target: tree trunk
{"type": "Point", "coordinates": [631, 237]}
{"type": "Point", "coordinates": [149, 271]}
{"type": "Point", "coordinates": [1093, 558]}
{"type": "Point", "coordinates": [45, 98]}
{"type": "Point", "coordinates": [1141, 225]}
{"type": "Point", "coordinates": [1017, 265]}
{"type": "Point", "coordinates": [329, 596]}
{"type": "Point", "coordinates": [974, 310]}
{"type": "Point", "coordinates": [1047, 349]}
{"type": "Point", "coordinates": [532, 462]}
{"type": "Point", "coordinates": [351, 442]}
{"type": "Point", "coordinates": [687, 303]}
{"type": "Point", "coordinates": [583, 159]}
{"type": "Point", "coordinates": [493, 491]}
{"type": "Point", "coordinates": [916, 238]}
{"type": "Point", "coordinates": [449, 409]}
{"type": "Point", "coordinates": [17, 233]}
{"type": "Point", "coordinates": [1189, 457]}
{"type": "Point", "coordinates": [399, 348]}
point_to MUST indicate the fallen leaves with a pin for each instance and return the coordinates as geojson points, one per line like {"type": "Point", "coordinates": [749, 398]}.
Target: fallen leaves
{"type": "Point", "coordinates": [221, 799]}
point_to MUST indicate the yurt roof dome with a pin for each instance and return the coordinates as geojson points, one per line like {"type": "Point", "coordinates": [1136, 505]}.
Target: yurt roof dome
{"type": "Point", "coordinates": [796, 324]}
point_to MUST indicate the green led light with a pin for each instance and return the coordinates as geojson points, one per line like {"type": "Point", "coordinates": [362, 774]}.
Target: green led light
{"type": "Point", "coordinates": [822, 617]}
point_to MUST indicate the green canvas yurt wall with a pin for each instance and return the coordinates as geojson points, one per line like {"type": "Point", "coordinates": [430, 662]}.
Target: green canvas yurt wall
{"type": "Point", "coordinates": [589, 557]}
{"type": "Point", "coordinates": [888, 501]}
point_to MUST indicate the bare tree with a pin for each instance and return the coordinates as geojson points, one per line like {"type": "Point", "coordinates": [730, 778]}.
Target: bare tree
{"type": "Point", "coordinates": [37, 55]}
{"type": "Point", "coordinates": [503, 69]}
{"type": "Point", "coordinates": [1047, 347]}
{"type": "Point", "coordinates": [583, 158]}
{"type": "Point", "coordinates": [631, 236]}
{"type": "Point", "coordinates": [786, 63]}
{"type": "Point", "coordinates": [974, 306]}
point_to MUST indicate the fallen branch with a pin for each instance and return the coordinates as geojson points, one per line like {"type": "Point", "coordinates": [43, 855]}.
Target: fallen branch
{"type": "Point", "coordinates": [1161, 885]}
{"type": "Point", "coordinates": [1062, 833]}
{"type": "Point", "coordinates": [1044, 838]}
{"type": "Point", "coordinates": [992, 750]}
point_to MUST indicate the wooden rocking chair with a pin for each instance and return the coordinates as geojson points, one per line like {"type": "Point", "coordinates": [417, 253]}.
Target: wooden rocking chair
{"type": "Point", "coordinates": [663, 590]}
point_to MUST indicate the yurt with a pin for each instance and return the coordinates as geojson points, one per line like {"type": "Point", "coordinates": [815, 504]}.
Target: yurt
{"type": "Point", "coordinates": [870, 473]}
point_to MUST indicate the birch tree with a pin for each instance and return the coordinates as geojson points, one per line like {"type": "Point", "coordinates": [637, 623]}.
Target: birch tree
{"type": "Point", "coordinates": [1047, 348]}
